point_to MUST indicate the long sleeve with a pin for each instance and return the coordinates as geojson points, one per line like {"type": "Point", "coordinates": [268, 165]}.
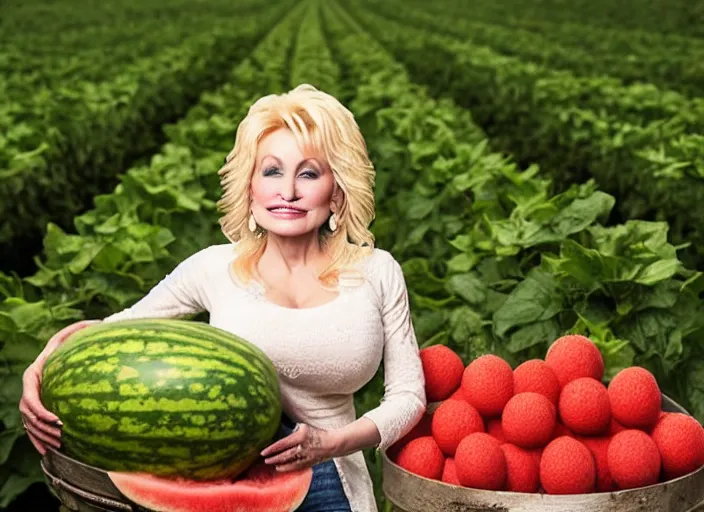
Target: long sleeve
{"type": "Point", "coordinates": [179, 293]}
{"type": "Point", "coordinates": [404, 399]}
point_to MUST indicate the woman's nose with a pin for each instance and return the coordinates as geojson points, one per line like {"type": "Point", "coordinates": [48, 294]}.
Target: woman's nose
{"type": "Point", "coordinates": [288, 189]}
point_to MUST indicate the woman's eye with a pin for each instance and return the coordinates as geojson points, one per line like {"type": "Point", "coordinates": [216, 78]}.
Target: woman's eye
{"type": "Point", "coordinates": [310, 174]}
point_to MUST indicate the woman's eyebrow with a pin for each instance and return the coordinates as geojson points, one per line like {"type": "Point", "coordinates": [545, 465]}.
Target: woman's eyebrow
{"type": "Point", "coordinates": [300, 164]}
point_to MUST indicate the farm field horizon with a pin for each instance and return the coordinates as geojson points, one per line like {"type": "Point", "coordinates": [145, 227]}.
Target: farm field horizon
{"type": "Point", "coordinates": [540, 169]}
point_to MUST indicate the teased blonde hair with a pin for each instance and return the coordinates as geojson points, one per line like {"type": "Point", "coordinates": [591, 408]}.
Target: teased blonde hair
{"type": "Point", "coordinates": [320, 121]}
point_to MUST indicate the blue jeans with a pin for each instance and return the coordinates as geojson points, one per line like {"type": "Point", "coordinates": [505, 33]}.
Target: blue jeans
{"type": "Point", "coordinates": [326, 493]}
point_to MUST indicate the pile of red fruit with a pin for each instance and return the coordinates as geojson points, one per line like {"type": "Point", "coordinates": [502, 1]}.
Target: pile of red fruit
{"type": "Point", "coordinates": [548, 426]}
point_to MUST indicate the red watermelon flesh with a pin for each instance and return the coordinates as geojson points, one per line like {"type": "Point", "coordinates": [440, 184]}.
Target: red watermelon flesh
{"type": "Point", "coordinates": [260, 489]}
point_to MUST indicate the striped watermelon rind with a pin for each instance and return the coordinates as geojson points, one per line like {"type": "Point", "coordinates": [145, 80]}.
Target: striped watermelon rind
{"type": "Point", "coordinates": [162, 396]}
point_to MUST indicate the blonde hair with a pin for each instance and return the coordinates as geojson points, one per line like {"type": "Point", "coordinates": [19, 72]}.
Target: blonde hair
{"type": "Point", "coordinates": [320, 121]}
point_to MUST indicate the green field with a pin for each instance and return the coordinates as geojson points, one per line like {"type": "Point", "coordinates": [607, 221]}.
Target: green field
{"type": "Point", "coordinates": [540, 169]}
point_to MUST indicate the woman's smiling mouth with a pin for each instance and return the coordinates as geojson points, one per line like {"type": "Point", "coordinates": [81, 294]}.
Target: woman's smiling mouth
{"type": "Point", "coordinates": [287, 212]}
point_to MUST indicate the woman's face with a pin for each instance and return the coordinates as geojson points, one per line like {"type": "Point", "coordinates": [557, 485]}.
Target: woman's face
{"type": "Point", "coordinates": [292, 192]}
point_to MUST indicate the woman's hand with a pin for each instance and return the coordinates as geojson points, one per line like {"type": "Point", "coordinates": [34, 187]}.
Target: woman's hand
{"type": "Point", "coordinates": [41, 425]}
{"type": "Point", "coordinates": [303, 448]}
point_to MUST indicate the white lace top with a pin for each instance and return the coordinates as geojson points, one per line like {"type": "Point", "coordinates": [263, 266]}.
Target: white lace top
{"type": "Point", "coordinates": [323, 354]}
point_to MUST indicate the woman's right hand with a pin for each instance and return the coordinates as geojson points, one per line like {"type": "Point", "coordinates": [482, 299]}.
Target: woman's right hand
{"type": "Point", "coordinates": [42, 426]}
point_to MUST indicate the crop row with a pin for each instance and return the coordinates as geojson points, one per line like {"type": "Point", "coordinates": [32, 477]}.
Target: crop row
{"type": "Point", "coordinates": [637, 103]}
{"type": "Point", "coordinates": [79, 45]}
{"type": "Point", "coordinates": [67, 145]}
{"type": "Point", "coordinates": [575, 128]}
{"type": "Point", "coordinates": [159, 214]}
{"type": "Point", "coordinates": [663, 66]}
{"type": "Point", "coordinates": [668, 20]}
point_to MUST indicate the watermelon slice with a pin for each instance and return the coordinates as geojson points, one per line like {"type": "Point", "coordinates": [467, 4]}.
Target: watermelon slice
{"type": "Point", "coordinates": [260, 489]}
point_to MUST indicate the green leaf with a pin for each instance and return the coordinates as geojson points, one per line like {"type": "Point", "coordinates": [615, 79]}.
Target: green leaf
{"type": "Point", "coordinates": [674, 349]}
{"type": "Point", "coordinates": [582, 213]}
{"type": "Point", "coordinates": [84, 258]}
{"type": "Point", "coordinates": [419, 208]}
{"type": "Point", "coordinates": [649, 330]}
{"type": "Point", "coordinates": [469, 287]}
{"type": "Point", "coordinates": [537, 298]}
{"type": "Point", "coordinates": [590, 267]}
{"type": "Point", "coordinates": [663, 295]}
{"type": "Point", "coordinates": [544, 332]}
{"type": "Point", "coordinates": [461, 263]}
{"type": "Point", "coordinates": [659, 271]}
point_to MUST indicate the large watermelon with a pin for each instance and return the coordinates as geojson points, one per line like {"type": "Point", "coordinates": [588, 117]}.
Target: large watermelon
{"type": "Point", "coordinates": [162, 396]}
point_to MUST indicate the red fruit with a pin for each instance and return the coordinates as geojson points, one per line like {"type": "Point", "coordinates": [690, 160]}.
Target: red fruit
{"type": "Point", "coordinates": [487, 384]}
{"type": "Point", "coordinates": [567, 467]}
{"type": "Point", "coordinates": [634, 460]}
{"type": "Point", "coordinates": [536, 376]}
{"type": "Point", "coordinates": [574, 356]}
{"type": "Point", "coordinates": [480, 462]}
{"type": "Point", "coordinates": [561, 430]}
{"type": "Point", "coordinates": [420, 429]}
{"type": "Point", "coordinates": [599, 446]}
{"type": "Point", "coordinates": [423, 457]}
{"type": "Point", "coordinates": [528, 420]}
{"type": "Point", "coordinates": [584, 407]}
{"type": "Point", "coordinates": [680, 441]}
{"type": "Point", "coordinates": [261, 488]}
{"type": "Point", "coordinates": [449, 472]}
{"type": "Point", "coordinates": [454, 420]}
{"type": "Point", "coordinates": [522, 468]}
{"type": "Point", "coordinates": [495, 430]}
{"type": "Point", "coordinates": [443, 370]}
{"type": "Point", "coordinates": [635, 398]}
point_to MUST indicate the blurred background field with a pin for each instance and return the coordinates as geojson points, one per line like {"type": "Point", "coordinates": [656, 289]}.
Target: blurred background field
{"type": "Point", "coordinates": [540, 168]}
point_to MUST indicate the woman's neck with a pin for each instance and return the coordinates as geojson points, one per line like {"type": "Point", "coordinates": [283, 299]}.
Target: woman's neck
{"type": "Point", "coordinates": [290, 254]}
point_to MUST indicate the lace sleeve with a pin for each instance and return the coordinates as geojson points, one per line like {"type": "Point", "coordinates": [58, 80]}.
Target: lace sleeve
{"type": "Point", "coordinates": [404, 400]}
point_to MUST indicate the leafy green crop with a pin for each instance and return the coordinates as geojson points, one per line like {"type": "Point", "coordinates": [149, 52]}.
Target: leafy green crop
{"type": "Point", "coordinates": [666, 62]}
{"type": "Point", "coordinates": [65, 142]}
{"type": "Point", "coordinates": [631, 140]}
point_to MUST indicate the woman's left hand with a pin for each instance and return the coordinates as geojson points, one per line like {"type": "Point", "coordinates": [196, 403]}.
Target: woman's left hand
{"type": "Point", "coordinates": [303, 448]}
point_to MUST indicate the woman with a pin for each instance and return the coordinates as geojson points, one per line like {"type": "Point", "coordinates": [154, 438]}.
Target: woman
{"type": "Point", "coordinates": [302, 280]}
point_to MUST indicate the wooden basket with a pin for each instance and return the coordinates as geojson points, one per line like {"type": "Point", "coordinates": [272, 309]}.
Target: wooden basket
{"type": "Point", "coordinates": [412, 493]}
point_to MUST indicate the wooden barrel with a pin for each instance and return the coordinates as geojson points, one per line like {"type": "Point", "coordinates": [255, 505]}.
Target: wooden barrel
{"type": "Point", "coordinates": [412, 493]}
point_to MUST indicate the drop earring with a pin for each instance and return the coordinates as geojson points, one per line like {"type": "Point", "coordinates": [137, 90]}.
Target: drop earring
{"type": "Point", "coordinates": [252, 223]}
{"type": "Point", "coordinates": [332, 223]}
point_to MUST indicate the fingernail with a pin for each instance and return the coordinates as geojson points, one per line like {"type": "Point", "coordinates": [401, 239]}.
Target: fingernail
{"type": "Point", "coordinates": [59, 423]}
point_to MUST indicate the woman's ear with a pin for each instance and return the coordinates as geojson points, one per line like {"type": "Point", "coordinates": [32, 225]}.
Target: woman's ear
{"type": "Point", "coordinates": [336, 200]}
